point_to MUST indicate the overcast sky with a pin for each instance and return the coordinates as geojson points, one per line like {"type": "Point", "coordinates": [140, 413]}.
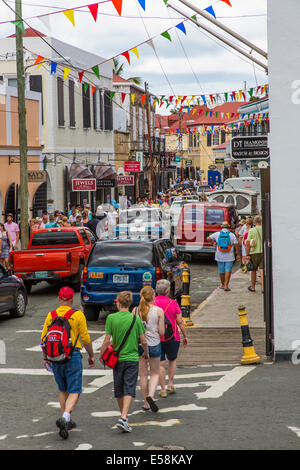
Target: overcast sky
{"type": "Point", "coordinates": [191, 64]}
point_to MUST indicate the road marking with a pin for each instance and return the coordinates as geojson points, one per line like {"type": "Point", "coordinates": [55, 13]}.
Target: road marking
{"type": "Point", "coordinates": [139, 444]}
{"type": "Point", "coordinates": [84, 447]}
{"type": "Point", "coordinates": [97, 343]}
{"type": "Point", "coordinates": [42, 371]}
{"type": "Point", "coordinates": [168, 423]}
{"type": "Point", "coordinates": [295, 430]}
{"type": "Point", "coordinates": [3, 437]}
{"type": "Point", "coordinates": [113, 413]}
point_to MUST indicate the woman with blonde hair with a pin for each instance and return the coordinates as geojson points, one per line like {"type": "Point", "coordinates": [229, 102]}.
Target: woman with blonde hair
{"type": "Point", "coordinates": [153, 321]}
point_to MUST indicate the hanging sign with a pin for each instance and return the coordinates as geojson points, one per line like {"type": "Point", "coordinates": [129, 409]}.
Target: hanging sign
{"type": "Point", "coordinates": [106, 183]}
{"type": "Point", "coordinates": [85, 184]}
{"type": "Point", "coordinates": [132, 167]}
{"type": "Point", "coordinates": [247, 148]}
{"type": "Point", "coordinates": [125, 180]}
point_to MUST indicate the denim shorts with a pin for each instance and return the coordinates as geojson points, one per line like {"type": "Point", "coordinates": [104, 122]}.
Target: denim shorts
{"type": "Point", "coordinates": [68, 376]}
{"type": "Point", "coordinates": [225, 266]}
{"type": "Point", "coordinates": [170, 350]}
{"type": "Point", "coordinates": [154, 351]}
{"type": "Point", "coordinates": [125, 378]}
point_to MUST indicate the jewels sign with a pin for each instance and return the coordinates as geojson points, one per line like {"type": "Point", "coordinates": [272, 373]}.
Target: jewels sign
{"type": "Point", "coordinates": [84, 184]}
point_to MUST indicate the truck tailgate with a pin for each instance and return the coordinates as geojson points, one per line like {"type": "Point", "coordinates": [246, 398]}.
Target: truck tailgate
{"type": "Point", "coordinates": [38, 260]}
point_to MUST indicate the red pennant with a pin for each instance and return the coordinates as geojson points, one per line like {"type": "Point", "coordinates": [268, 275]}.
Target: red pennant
{"type": "Point", "coordinates": [80, 74]}
{"type": "Point", "coordinates": [143, 97]}
{"type": "Point", "coordinates": [118, 5]}
{"type": "Point", "coordinates": [123, 97]}
{"type": "Point", "coordinates": [227, 2]}
{"type": "Point", "coordinates": [233, 94]}
{"type": "Point", "coordinates": [171, 98]}
{"type": "Point", "coordinates": [94, 10]}
{"type": "Point", "coordinates": [93, 89]}
{"type": "Point", "coordinates": [126, 54]}
{"type": "Point", "coordinates": [211, 98]}
{"type": "Point", "coordinates": [183, 99]}
{"type": "Point", "coordinates": [39, 59]}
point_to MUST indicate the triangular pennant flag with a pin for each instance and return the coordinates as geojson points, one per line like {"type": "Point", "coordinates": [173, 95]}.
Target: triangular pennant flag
{"type": "Point", "coordinates": [19, 24]}
{"type": "Point", "coordinates": [80, 74]}
{"type": "Point", "coordinates": [53, 67]}
{"type": "Point", "coordinates": [96, 71]}
{"type": "Point", "coordinates": [142, 3]}
{"type": "Point", "coordinates": [151, 44]}
{"type": "Point", "coordinates": [118, 5]}
{"type": "Point", "coordinates": [143, 97]}
{"type": "Point", "coordinates": [39, 59]}
{"type": "Point", "coordinates": [166, 35]}
{"type": "Point", "coordinates": [181, 27]}
{"type": "Point", "coordinates": [93, 89]}
{"type": "Point", "coordinates": [135, 51]}
{"type": "Point", "coordinates": [210, 10]}
{"type": "Point", "coordinates": [94, 10]}
{"type": "Point", "coordinates": [85, 87]}
{"type": "Point", "coordinates": [204, 99]}
{"type": "Point", "coordinates": [127, 56]}
{"type": "Point", "coordinates": [46, 21]}
{"type": "Point", "coordinates": [251, 92]}
{"type": "Point", "coordinates": [66, 72]}
{"type": "Point", "coordinates": [132, 98]}
{"type": "Point", "coordinates": [70, 15]}
{"type": "Point", "coordinates": [227, 2]}
{"type": "Point", "coordinates": [123, 95]}
{"type": "Point", "coordinates": [112, 94]}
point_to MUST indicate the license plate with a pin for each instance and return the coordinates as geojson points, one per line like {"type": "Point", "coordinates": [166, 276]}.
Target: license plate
{"type": "Point", "coordinates": [41, 274]}
{"type": "Point", "coordinates": [120, 278]}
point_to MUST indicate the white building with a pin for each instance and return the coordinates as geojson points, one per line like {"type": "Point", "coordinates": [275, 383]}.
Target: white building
{"type": "Point", "coordinates": [77, 131]}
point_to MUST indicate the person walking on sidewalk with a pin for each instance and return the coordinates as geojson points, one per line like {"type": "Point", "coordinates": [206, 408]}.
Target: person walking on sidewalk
{"type": "Point", "coordinates": [169, 349]}
{"type": "Point", "coordinates": [126, 371]}
{"type": "Point", "coordinates": [68, 375]}
{"type": "Point", "coordinates": [225, 243]}
{"type": "Point", "coordinates": [254, 251]}
{"type": "Point", "coordinates": [153, 321]}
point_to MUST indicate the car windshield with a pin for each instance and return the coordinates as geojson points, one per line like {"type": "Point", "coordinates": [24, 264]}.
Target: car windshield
{"type": "Point", "coordinates": [54, 238]}
{"type": "Point", "coordinates": [214, 216]}
{"type": "Point", "coordinates": [147, 216]}
{"type": "Point", "coordinates": [128, 254]}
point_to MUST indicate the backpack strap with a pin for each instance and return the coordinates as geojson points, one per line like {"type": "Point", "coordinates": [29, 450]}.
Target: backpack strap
{"type": "Point", "coordinates": [69, 314]}
{"type": "Point", "coordinates": [53, 314]}
{"type": "Point", "coordinates": [126, 336]}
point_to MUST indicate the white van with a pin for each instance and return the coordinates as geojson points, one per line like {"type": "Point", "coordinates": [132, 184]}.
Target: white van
{"type": "Point", "coordinates": [246, 202]}
{"type": "Point", "coordinates": [250, 183]}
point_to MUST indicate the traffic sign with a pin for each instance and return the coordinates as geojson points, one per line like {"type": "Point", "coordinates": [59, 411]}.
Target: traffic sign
{"type": "Point", "coordinates": [249, 148]}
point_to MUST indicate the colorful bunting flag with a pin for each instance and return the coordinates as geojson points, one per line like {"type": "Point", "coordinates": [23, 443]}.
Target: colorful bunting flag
{"type": "Point", "coordinates": [53, 67]}
{"type": "Point", "coordinates": [96, 71]}
{"type": "Point", "coordinates": [93, 89]}
{"type": "Point", "coordinates": [85, 87]}
{"type": "Point", "coordinates": [66, 72]}
{"type": "Point", "coordinates": [166, 35]}
{"type": "Point", "coordinates": [118, 5]}
{"type": "Point", "coordinates": [142, 3]}
{"type": "Point", "coordinates": [181, 27]}
{"type": "Point", "coordinates": [133, 98]}
{"type": "Point", "coordinates": [210, 10]}
{"type": "Point", "coordinates": [39, 59]}
{"type": "Point", "coordinates": [123, 95]}
{"type": "Point", "coordinates": [227, 2]}
{"type": "Point", "coordinates": [70, 15]}
{"type": "Point", "coordinates": [127, 56]}
{"type": "Point", "coordinates": [19, 24]}
{"type": "Point", "coordinates": [94, 10]}
{"type": "Point", "coordinates": [80, 75]}
{"type": "Point", "coordinates": [112, 94]}
{"type": "Point", "coordinates": [135, 51]}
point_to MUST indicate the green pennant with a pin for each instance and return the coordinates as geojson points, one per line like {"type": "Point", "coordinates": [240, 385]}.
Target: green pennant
{"type": "Point", "coordinates": [96, 71]}
{"type": "Point", "coordinates": [217, 114]}
{"type": "Point", "coordinates": [195, 18]}
{"type": "Point", "coordinates": [166, 35]}
{"type": "Point", "coordinates": [85, 87]}
{"type": "Point", "coordinates": [250, 92]}
{"type": "Point", "coordinates": [226, 96]}
{"type": "Point", "coordinates": [165, 1]}
{"type": "Point", "coordinates": [112, 94]}
{"type": "Point", "coordinates": [19, 24]}
{"type": "Point", "coordinates": [207, 113]}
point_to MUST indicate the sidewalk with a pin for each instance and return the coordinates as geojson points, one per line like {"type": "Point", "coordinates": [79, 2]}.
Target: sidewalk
{"type": "Point", "coordinates": [215, 337]}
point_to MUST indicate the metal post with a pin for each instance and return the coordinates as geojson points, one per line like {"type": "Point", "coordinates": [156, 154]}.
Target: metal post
{"type": "Point", "coordinates": [220, 25]}
{"type": "Point", "coordinates": [220, 37]}
{"type": "Point", "coordinates": [150, 143]}
{"type": "Point", "coordinates": [22, 128]}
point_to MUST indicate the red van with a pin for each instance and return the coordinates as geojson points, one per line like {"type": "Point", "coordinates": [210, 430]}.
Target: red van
{"type": "Point", "coordinates": [198, 221]}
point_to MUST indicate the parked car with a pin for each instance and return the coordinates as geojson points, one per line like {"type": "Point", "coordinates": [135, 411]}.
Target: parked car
{"type": "Point", "coordinates": [175, 211]}
{"type": "Point", "coordinates": [53, 255]}
{"type": "Point", "coordinates": [203, 188]}
{"type": "Point", "coordinates": [244, 201]}
{"type": "Point", "coordinates": [198, 221]}
{"type": "Point", "coordinates": [13, 295]}
{"type": "Point", "coordinates": [183, 197]}
{"type": "Point", "coordinates": [117, 265]}
{"type": "Point", "coordinates": [143, 223]}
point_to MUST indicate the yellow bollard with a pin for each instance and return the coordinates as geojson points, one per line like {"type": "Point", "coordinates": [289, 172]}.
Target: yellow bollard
{"type": "Point", "coordinates": [250, 356]}
{"type": "Point", "coordinates": [185, 298]}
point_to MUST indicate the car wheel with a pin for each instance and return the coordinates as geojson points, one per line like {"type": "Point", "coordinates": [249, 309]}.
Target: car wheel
{"type": "Point", "coordinates": [77, 279]}
{"type": "Point", "coordinates": [91, 313]}
{"type": "Point", "coordinates": [20, 305]}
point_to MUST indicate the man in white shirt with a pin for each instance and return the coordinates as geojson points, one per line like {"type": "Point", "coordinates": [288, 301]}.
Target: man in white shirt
{"type": "Point", "coordinates": [225, 256]}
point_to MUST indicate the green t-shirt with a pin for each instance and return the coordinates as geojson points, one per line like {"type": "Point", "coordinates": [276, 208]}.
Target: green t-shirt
{"type": "Point", "coordinates": [117, 325]}
{"type": "Point", "coordinates": [256, 234]}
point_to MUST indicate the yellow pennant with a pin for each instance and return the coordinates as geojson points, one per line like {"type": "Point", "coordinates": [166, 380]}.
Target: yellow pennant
{"type": "Point", "coordinates": [66, 72]}
{"type": "Point", "coordinates": [194, 110]}
{"type": "Point", "coordinates": [135, 51]}
{"type": "Point", "coordinates": [70, 15]}
{"type": "Point", "coordinates": [132, 98]}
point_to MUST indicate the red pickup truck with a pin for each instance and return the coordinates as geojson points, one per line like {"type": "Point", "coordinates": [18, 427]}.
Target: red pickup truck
{"type": "Point", "coordinates": [54, 255]}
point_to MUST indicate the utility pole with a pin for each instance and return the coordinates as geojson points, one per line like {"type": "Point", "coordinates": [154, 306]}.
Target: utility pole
{"type": "Point", "coordinates": [22, 128]}
{"type": "Point", "coordinates": [153, 193]}
{"type": "Point", "coordinates": [180, 145]}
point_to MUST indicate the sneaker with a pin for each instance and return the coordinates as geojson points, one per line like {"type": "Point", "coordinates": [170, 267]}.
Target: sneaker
{"type": "Point", "coordinates": [71, 425]}
{"type": "Point", "coordinates": [63, 426]}
{"type": "Point", "coordinates": [123, 425]}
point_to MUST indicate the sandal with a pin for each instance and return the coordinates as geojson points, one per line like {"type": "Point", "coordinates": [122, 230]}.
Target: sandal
{"type": "Point", "coordinates": [152, 404]}
{"type": "Point", "coordinates": [251, 290]}
{"type": "Point", "coordinates": [163, 394]}
{"type": "Point", "coordinates": [145, 409]}
{"type": "Point", "coordinates": [171, 388]}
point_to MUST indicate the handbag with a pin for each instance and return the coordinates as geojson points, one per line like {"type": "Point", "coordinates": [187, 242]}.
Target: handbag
{"type": "Point", "coordinates": [111, 356]}
{"type": "Point", "coordinates": [250, 266]}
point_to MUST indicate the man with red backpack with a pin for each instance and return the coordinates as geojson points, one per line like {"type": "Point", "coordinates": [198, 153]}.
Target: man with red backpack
{"type": "Point", "coordinates": [63, 329]}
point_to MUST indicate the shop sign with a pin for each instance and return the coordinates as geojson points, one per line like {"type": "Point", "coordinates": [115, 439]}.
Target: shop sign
{"type": "Point", "coordinates": [125, 180]}
{"type": "Point", "coordinates": [106, 183]}
{"type": "Point", "coordinates": [37, 176]}
{"type": "Point", "coordinates": [132, 167]}
{"type": "Point", "coordinates": [189, 163]}
{"type": "Point", "coordinates": [247, 148]}
{"type": "Point", "coordinates": [139, 157]}
{"type": "Point", "coordinates": [84, 184]}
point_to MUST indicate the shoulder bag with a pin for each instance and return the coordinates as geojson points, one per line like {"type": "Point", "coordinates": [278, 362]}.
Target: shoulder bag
{"type": "Point", "coordinates": [111, 356]}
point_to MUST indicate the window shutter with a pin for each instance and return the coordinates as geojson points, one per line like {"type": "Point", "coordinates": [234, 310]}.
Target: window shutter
{"type": "Point", "coordinates": [208, 140]}
{"type": "Point", "coordinates": [36, 84]}
{"type": "Point", "coordinates": [60, 99]}
{"type": "Point", "coordinates": [101, 111]}
{"type": "Point", "coordinates": [72, 103]}
{"type": "Point", "coordinates": [86, 107]}
{"type": "Point", "coordinates": [108, 121]}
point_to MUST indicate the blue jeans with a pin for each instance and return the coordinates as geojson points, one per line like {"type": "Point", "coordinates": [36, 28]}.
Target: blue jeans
{"type": "Point", "coordinates": [154, 351]}
{"type": "Point", "coordinates": [68, 376]}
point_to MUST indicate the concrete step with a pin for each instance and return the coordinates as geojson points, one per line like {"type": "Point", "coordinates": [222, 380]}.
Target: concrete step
{"type": "Point", "coordinates": [219, 346]}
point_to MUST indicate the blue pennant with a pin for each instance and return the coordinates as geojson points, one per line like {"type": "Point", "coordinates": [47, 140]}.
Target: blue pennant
{"type": "Point", "coordinates": [211, 11]}
{"type": "Point", "coordinates": [53, 67]}
{"type": "Point", "coordinates": [142, 3]}
{"type": "Point", "coordinates": [181, 27]}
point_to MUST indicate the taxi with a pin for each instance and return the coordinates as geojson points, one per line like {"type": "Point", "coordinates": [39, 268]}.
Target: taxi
{"type": "Point", "coordinates": [115, 265]}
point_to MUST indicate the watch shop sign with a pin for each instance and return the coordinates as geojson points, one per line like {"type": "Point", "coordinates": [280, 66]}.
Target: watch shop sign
{"type": "Point", "coordinates": [132, 167]}
{"type": "Point", "coordinates": [86, 184]}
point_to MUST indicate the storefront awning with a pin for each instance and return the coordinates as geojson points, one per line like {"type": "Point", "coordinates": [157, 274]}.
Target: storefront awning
{"type": "Point", "coordinates": [103, 170]}
{"type": "Point", "coordinates": [78, 170]}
